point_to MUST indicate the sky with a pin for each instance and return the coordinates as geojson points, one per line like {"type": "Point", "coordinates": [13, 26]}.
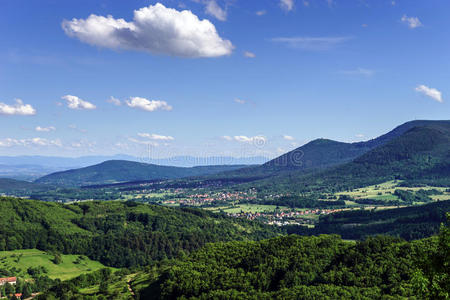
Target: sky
{"type": "Point", "coordinates": [216, 77]}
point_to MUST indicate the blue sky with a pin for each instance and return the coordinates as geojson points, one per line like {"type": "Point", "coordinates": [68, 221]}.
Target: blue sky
{"type": "Point", "coordinates": [256, 78]}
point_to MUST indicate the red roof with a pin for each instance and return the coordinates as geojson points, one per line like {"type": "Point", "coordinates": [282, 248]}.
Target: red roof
{"type": "Point", "coordinates": [8, 279]}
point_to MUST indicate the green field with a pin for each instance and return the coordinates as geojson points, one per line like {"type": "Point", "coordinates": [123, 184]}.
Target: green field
{"type": "Point", "coordinates": [67, 269]}
{"type": "Point", "coordinates": [251, 208]}
{"type": "Point", "coordinates": [384, 191]}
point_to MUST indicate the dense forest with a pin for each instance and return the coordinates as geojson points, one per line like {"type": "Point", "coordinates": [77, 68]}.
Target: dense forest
{"type": "Point", "coordinates": [288, 267]}
{"type": "Point", "coordinates": [120, 234]}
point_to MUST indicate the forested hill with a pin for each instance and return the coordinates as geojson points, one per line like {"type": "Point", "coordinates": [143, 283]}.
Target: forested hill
{"type": "Point", "coordinates": [421, 153]}
{"type": "Point", "coordinates": [321, 154]}
{"type": "Point", "coordinates": [120, 234]}
{"type": "Point", "coordinates": [115, 171]}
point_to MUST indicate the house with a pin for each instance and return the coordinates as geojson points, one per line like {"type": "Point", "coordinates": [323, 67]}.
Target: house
{"type": "Point", "coordinates": [10, 280]}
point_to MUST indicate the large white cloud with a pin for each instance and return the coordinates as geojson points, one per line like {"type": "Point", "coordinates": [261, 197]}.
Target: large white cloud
{"type": "Point", "coordinates": [155, 29]}
{"type": "Point", "coordinates": [19, 108]}
{"type": "Point", "coordinates": [430, 92]}
{"type": "Point", "coordinates": [148, 105]}
{"type": "Point", "coordinates": [159, 137]}
{"type": "Point", "coordinates": [73, 102]}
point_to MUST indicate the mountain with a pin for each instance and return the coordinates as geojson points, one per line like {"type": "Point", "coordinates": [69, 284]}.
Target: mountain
{"type": "Point", "coordinates": [422, 152]}
{"type": "Point", "coordinates": [321, 154]}
{"type": "Point", "coordinates": [56, 163]}
{"type": "Point", "coordinates": [115, 171]}
{"type": "Point", "coordinates": [10, 186]}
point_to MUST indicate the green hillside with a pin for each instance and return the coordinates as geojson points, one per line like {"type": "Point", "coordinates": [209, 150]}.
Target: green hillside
{"type": "Point", "coordinates": [12, 185]}
{"type": "Point", "coordinates": [115, 171]}
{"type": "Point", "coordinates": [117, 233]}
{"type": "Point", "coordinates": [23, 263]}
{"type": "Point", "coordinates": [422, 153]}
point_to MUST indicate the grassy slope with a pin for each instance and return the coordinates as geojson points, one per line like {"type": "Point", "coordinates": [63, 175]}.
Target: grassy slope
{"type": "Point", "coordinates": [24, 259]}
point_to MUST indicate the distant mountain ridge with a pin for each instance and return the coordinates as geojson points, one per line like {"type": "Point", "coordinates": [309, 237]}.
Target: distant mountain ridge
{"type": "Point", "coordinates": [115, 171]}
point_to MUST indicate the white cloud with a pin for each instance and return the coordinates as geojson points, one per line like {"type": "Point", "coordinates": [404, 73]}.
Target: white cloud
{"type": "Point", "coordinates": [73, 102]}
{"type": "Point", "coordinates": [240, 101]}
{"type": "Point", "coordinates": [360, 135]}
{"type": "Point", "coordinates": [430, 92]}
{"type": "Point", "coordinates": [153, 136]}
{"type": "Point", "coordinates": [136, 141]}
{"type": "Point", "coordinates": [37, 141]}
{"type": "Point", "coordinates": [114, 101]}
{"type": "Point", "coordinates": [412, 22]}
{"type": "Point", "coordinates": [155, 29]}
{"type": "Point", "coordinates": [249, 54]}
{"type": "Point", "coordinates": [252, 139]}
{"type": "Point", "coordinates": [148, 105]}
{"type": "Point", "coordinates": [75, 127]}
{"type": "Point", "coordinates": [19, 108]}
{"type": "Point", "coordinates": [261, 12]}
{"type": "Point", "coordinates": [45, 129]}
{"type": "Point", "coordinates": [288, 137]}
{"type": "Point", "coordinates": [358, 71]}
{"type": "Point", "coordinates": [312, 43]}
{"type": "Point", "coordinates": [287, 5]}
{"type": "Point", "coordinates": [213, 9]}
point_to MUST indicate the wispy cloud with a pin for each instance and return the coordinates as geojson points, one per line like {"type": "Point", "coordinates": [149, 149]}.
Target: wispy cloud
{"type": "Point", "coordinates": [73, 102]}
{"type": "Point", "coordinates": [240, 101]}
{"type": "Point", "coordinates": [412, 22]}
{"type": "Point", "coordinates": [287, 5]}
{"type": "Point", "coordinates": [249, 54]}
{"type": "Point", "coordinates": [288, 137]}
{"type": "Point", "coordinates": [213, 9]}
{"type": "Point", "coordinates": [155, 29]}
{"type": "Point", "coordinates": [312, 43]}
{"type": "Point", "coordinates": [148, 105]}
{"type": "Point", "coordinates": [358, 72]}
{"type": "Point", "coordinates": [114, 101]}
{"type": "Point", "coordinates": [19, 108]}
{"type": "Point", "coordinates": [157, 137]}
{"type": "Point", "coordinates": [37, 141]}
{"type": "Point", "coordinates": [430, 92]}
{"type": "Point", "coordinates": [45, 129]}
{"type": "Point", "coordinates": [261, 13]}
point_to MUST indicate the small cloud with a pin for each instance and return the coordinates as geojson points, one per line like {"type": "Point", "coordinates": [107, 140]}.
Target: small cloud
{"type": "Point", "coordinates": [75, 127]}
{"type": "Point", "coordinates": [358, 72]}
{"type": "Point", "coordinates": [312, 43]}
{"type": "Point", "coordinates": [305, 3]}
{"type": "Point", "coordinates": [153, 136]}
{"type": "Point", "coordinates": [287, 5]}
{"type": "Point", "coordinates": [261, 13]}
{"type": "Point", "coordinates": [412, 22]}
{"type": "Point", "coordinates": [114, 101]}
{"type": "Point", "coordinates": [73, 102]}
{"type": "Point", "coordinates": [213, 9]}
{"type": "Point", "coordinates": [249, 54]}
{"type": "Point", "coordinates": [227, 137]}
{"type": "Point", "coordinates": [360, 135]}
{"type": "Point", "coordinates": [252, 139]}
{"type": "Point", "coordinates": [288, 137]}
{"type": "Point", "coordinates": [136, 141]}
{"type": "Point", "coordinates": [148, 105]}
{"type": "Point", "coordinates": [45, 129]}
{"type": "Point", "coordinates": [240, 101]}
{"type": "Point", "coordinates": [19, 108]}
{"type": "Point", "coordinates": [430, 92]}
{"type": "Point", "coordinates": [330, 3]}
{"type": "Point", "coordinates": [364, 25]}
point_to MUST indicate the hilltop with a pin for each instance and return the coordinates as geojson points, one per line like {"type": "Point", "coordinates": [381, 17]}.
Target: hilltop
{"type": "Point", "coordinates": [115, 171]}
